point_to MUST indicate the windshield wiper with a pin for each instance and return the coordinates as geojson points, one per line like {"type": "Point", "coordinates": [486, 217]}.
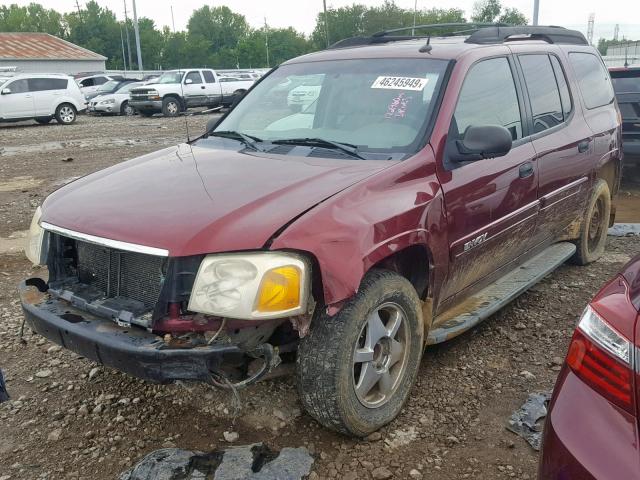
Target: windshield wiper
{"type": "Point", "coordinates": [348, 148]}
{"type": "Point", "coordinates": [249, 140]}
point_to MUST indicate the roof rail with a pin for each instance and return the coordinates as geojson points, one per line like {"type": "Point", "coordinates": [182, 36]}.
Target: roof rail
{"type": "Point", "coordinates": [386, 37]}
{"type": "Point", "coordinates": [550, 34]}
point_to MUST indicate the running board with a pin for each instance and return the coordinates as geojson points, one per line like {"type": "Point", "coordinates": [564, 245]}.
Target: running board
{"type": "Point", "coordinates": [478, 307]}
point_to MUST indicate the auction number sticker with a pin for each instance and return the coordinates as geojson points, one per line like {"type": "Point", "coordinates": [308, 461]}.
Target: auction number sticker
{"type": "Point", "coordinates": [400, 83]}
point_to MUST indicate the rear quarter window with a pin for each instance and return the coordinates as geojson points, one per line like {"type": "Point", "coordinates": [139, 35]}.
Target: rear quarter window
{"type": "Point", "coordinates": [593, 78]}
{"type": "Point", "coordinates": [42, 84]}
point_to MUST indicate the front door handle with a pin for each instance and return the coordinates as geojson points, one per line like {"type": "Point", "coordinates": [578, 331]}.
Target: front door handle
{"type": "Point", "coordinates": [583, 146]}
{"type": "Point", "coordinates": [202, 87]}
{"type": "Point", "coordinates": [526, 170]}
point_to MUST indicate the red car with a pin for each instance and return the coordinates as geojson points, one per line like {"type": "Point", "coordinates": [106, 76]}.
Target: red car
{"type": "Point", "coordinates": [430, 182]}
{"type": "Point", "coordinates": [591, 430]}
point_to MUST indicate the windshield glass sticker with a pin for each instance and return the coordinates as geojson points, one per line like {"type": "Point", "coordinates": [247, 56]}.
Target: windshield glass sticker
{"type": "Point", "coordinates": [400, 83]}
{"type": "Point", "coordinates": [397, 107]}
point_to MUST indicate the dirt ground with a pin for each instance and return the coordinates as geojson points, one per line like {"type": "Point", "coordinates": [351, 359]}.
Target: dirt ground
{"type": "Point", "coordinates": [69, 418]}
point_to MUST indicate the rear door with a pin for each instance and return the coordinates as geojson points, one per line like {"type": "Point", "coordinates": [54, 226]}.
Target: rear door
{"type": "Point", "coordinates": [562, 140]}
{"type": "Point", "coordinates": [492, 203]}
{"type": "Point", "coordinates": [18, 103]}
{"type": "Point", "coordinates": [47, 93]}
{"type": "Point", "coordinates": [212, 88]}
{"type": "Point", "coordinates": [626, 84]}
{"type": "Point", "coordinates": [194, 88]}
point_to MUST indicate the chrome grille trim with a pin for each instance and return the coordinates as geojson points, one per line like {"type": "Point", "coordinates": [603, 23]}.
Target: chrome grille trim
{"type": "Point", "coordinates": [105, 242]}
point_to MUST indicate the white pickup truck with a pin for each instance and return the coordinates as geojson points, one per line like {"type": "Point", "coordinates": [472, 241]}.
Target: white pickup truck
{"type": "Point", "coordinates": [176, 90]}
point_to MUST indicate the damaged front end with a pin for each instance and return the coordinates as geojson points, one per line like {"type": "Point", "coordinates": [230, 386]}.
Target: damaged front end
{"type": "Point", "coordinates": [162, 318]}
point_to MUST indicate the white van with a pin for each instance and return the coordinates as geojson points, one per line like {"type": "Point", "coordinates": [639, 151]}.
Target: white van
{"type": "Point", "coordinates": [41, 97]}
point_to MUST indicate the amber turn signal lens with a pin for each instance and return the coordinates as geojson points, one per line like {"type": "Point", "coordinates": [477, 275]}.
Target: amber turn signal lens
{"type": "Point", "coordinates": [279, 290]}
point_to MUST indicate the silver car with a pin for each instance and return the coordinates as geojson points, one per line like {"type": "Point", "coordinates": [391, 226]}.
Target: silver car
{"type": "Point", "coordinates": [115, 103]}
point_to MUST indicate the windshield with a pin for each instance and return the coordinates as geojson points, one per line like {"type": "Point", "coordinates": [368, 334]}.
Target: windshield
{"type": "Point", "coordinates": [376, 105]}
{"type": "Point", "coordinates": [169, 77]}
{"type": "Point", "coordinates": [110, 86]}
{"type": "Point", "coordinates": [128, 86]}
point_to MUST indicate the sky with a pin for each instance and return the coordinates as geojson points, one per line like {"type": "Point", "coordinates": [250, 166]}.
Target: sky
{"type": "Point", "coordinates": [301, 14]}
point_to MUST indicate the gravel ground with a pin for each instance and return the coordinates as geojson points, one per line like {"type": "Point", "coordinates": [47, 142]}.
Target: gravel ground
{"type": "Point", "coordinates": [70, 418]}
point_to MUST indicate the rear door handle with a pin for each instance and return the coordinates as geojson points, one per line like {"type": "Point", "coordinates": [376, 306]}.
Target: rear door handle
{"type": "Point", "coordinates": [202, 87]}
{"type": "Point", "coordinates": [583, 146]}
{"type": "Point", "coordinates": [526, 170]}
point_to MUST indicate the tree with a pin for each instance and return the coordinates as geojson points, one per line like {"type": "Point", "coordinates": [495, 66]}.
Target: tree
{"type": "Point", "coordinates": [491, 11]}
{"type": "Point", "coordinates": [32, 18]}
{"type": "Point", "coordinates": [221, 27]}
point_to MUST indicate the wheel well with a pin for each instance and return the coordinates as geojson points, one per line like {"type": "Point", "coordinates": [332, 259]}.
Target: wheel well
{"type": "Point", "coordinates": [609, 173]}
{"type": "Point", "coordinates": [413, 264]}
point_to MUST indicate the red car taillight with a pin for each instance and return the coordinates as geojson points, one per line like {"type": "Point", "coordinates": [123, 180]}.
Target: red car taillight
{"type": "Point", "coordinates": [601, 357]}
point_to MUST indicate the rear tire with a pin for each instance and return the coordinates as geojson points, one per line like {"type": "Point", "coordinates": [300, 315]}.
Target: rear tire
{"type": "Point", "coordinates": [593, 231]}
{"type": "Point", "coordinates": [171, 107]}
{"type": "Point", "coordinates": [355, 370]}
{"type": "Point", "coordinates": [66, 114]}
{"type": "Point", "coordinates": [43, 120]}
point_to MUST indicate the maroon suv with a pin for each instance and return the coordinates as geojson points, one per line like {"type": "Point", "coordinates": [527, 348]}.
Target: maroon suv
{"type": "Point", "coordinates": [422, 184]}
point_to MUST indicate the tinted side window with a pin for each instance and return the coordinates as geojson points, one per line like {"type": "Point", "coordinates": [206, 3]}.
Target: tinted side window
{"type": "Point", "coordinates": [565, 96]}
{"type": "Point", "coordinates": [626, 84]}
{"type": "Point", "coordinates": [41, 84]}
{"type": "Point", "coordinates": [488, 97]}
{"type": "Point", "coordinates": [194, 77]}
{"type": "Point", "coordinates": [87, 82]}
{"type": "Point", "coordinates": [208, 76]}
{"type": "Point", "coordinates": [593, 79]}
{"type": "Point", "coordinates": [99, 80]}
{"type": "Point", "coordinates": [543, 91]}
{"type": "Point", "coordinates": [19, 86]}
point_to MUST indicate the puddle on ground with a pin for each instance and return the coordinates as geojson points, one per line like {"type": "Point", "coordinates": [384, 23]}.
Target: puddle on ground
{"type": "Point", "coordinates": [19, 183]}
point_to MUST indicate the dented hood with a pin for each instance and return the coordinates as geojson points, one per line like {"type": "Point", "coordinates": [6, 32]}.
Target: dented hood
{"type": "Point", "coordinates": [201, 200]}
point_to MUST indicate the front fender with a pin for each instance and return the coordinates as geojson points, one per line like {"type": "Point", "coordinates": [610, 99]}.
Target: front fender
{"type": "Point", "coordinates": [354, 230]}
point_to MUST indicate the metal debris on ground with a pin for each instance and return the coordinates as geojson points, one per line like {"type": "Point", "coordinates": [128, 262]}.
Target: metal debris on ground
{"type": "Point", "coordinates": [528, 420]}
{"type": "Point", "coordinates": [624, 230]}
{"type": "Point", "coordinates": [249, 462]}
{"type": "Point", "coordinates": [4, 395]}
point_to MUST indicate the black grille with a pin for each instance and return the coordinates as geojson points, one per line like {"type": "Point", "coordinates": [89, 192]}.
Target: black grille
{"type": "Point", "coordinates": [120, 274]}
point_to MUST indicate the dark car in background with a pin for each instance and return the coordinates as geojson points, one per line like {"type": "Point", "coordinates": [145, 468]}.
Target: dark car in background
{"type": "Point", "coordinates": [591, 430]}
{"type": "Point", "coordinates": [111, 86]}
{"type": "Point", "coordinates": [626, 83]}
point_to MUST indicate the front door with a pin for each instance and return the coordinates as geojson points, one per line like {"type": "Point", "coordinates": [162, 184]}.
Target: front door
{"type": "Point", "coordinates": [492, 203]}
{"type": "Point", "coordinates": [194, 89]}
{"type": "Point", "coordinates": [18, 103]}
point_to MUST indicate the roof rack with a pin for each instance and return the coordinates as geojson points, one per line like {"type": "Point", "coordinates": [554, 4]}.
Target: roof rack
{"type": "Point", "coordinates": [550, 34]}
{"type": "Point", "coordinates": [480, 33]}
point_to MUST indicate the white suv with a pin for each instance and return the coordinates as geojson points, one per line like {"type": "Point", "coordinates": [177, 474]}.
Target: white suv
{"type": "Point", "coordinates": [41, 97]}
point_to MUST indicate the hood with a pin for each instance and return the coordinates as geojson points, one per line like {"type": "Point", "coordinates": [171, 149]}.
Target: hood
{"type": "Point", "coordinates": [193, 200]}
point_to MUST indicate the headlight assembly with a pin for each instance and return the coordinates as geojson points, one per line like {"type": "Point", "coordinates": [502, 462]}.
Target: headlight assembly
{"type": "Point", "coordinates": [107, 102]}
{"type": "Point", "coordinates": [36, 247]}
{"type": "Point", "coordinates": [248, 286]}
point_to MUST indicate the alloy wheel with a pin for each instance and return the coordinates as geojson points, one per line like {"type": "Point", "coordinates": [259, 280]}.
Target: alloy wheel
{"type": "Point", "coordinates": [67, 115]}
{"type": "Point", "coordinates": [380, 355]}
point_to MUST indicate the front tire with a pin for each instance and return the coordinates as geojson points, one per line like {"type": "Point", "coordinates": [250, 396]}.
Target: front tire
{"type": "Point", "coordinates": [66, 114]}
{"type": "Point", "coordinates": [171, 107]}
{"type": "Point", "coordinates": [593, 231]}
{"type": "Point", "coordinates": [355, 370]}
{"type": "Point", "coordinates": [126, 109]}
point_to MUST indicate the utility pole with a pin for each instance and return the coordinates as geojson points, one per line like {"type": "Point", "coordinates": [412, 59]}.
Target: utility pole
{"type": "Point", "coordinates": [616, 31]}
{"type": "Point", "coordinates": [326, 21]}
{"type": "Point", "coordinates": [78, 7]}
{"type": "Point", "coordinates": [536, 8]}
{"type": "Point", "coordinates": [126, 31]}
{"type": "Point", "coordinates": [173, 22]}
{"type": "Point", "coordinates": [592, 18]}
{"type": "Point", "coordinates": [415, 9]}
{"type": "Point", "coordinates": [124, 59]}
{"type": "Point", "coordinates": [137, 33]}
{"type": "Point", "coordinates": [266, 39]}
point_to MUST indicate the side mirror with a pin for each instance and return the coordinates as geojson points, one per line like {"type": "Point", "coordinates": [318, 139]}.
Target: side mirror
{"type": "Point", "coordinates": [188, 81]}
{"type": "Point", "coordinates": [6, 91]}
{"type": "Point", "coordinates": [486, 141]}
{"type": "Point", "coordinates": [213, 123]}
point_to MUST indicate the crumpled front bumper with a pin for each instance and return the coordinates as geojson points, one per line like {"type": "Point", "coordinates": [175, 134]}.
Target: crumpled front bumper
{"type": "Point", "coordinates": [132, 350]}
